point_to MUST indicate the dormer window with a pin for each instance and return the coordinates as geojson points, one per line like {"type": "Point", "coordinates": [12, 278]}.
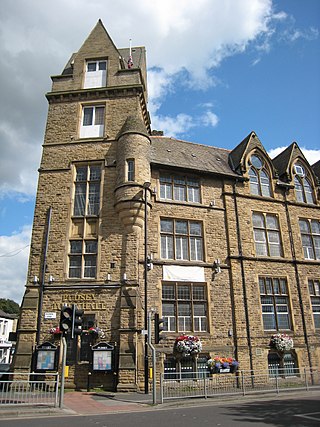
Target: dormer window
{"type": "Point", "coordinates": [302, 186]}
{"type": "Point", "coordinates": [95, 74]}
{"type": "Point", "coordinates": [259, 177]}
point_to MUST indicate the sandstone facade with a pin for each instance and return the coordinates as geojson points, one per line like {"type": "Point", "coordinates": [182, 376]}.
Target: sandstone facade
{"type": "Point", "coordinates": [93, 188]}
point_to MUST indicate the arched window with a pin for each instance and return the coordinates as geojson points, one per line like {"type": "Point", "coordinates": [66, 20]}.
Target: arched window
{"type": "Point", "coordinates": [302, 186]}
{"type": "Point", "coordinates": [259, 177]}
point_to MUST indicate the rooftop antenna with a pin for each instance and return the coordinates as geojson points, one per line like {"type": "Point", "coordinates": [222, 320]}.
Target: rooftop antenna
{"type": "Point", "coordinates": [130, 62]}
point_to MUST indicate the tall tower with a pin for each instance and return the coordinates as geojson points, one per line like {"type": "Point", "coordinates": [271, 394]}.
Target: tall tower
{"type": "Point", "coordinates": [87, 237]}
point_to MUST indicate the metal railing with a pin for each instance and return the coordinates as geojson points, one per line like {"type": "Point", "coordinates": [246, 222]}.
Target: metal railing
{"type": "Point", "coordinates": [29, 389]}
{"type": "Point", "coordinates": [242, 383]}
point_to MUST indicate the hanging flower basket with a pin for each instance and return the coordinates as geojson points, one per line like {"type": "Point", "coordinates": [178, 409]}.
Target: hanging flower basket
{"type": "Point", "coordinates": [55, 331]}
{"type": "Point", "coordinates": [222, 364]}
{"type": "Point", "coordinates": [187, 345]}
{"type": "Point", "coordinates": [281, 342]}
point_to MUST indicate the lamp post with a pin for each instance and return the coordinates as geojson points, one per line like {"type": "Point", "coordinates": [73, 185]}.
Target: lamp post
{"type": "Point", "coordinates": [146, 187]}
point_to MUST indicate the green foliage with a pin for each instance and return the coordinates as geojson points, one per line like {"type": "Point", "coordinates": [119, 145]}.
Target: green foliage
{"type": "Point", "coordinates": [9, 306]}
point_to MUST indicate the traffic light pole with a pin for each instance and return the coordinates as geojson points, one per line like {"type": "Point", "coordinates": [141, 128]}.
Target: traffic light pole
{"type": "Point", "coordinates": [64, 358]}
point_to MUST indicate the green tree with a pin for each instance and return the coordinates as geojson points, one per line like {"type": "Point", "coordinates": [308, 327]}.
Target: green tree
{"type": "Point", "coordinates": [9, 306]}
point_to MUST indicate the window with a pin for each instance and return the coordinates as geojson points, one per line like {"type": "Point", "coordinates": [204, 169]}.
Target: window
{"type": "Point", "coordinates": [83, 243]}
{"type": "Point", "coordinates": [310, 236]}
{"type": "Point", "coordinates": [266, 235]}
{"type": "Point", "coordinates": [302, 186]}
{"type": "Point", "coordinates": [186, 367]}
{"type": "Point", "coordinates": [130, 170]}
{"type": "Point", "coordinates": [179, 188]}
{"type": "Point", "coordinates": [83, 259]}
{"type": "Point", "coordinates": [259, 177]}
{"type": "Point", "coordinates": [184, 307]}
{"type": "Point", "coordinates": [273, 364]}
{"type": "Point", "coordinates": [87, 190]}
{"type": "Point", "coordinates": [92, 124]}
{"type": "Point", "coordinates": [314, 291]}
{"type": "Point", "coordinates": [95, 74]}
{"type": "Point", "coordinates": [5, 327]}
{"type": "Point", "coordinates": [181, 240]}
{"type": "Point", "coordinates": [285, 366]}
{"type": "Point", "coordinates": [274, 303]}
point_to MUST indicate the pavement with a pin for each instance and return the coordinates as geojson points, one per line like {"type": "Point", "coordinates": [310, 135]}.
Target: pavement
{"type": "Point", "coordinates": [82, 403]}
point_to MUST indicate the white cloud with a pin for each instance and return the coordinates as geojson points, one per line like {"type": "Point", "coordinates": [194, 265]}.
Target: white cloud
{"type": "Point", "coordinates": [36, 42]}
{"type": "Point", "coordinates": [14, 253]}
{"type": "Point", "coordinates": [174, 126]}
{"type": "Point", "coordinates": [42, 39]}
{"type": "Point", "coordinates": [295, 34]}
{"type": "Point", "coordinates": [210, 119]}
{"type": "Point", "coordinates": [182, 123]}
{"type": "Point", "coordinates": [311, 155]}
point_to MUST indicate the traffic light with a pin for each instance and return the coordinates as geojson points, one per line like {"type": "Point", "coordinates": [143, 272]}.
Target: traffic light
{"type": "Point", "coordinates": [76, 321]}
{"type": "Point", "coordinates": [157, 328]}
{"type": "Point", "coordinates": [66, 319]}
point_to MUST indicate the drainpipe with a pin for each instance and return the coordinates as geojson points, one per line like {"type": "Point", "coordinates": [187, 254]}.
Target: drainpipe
{"type": "Point", "coordinates": [243, 278]}
{"type": "Point", "coordinates": [231, 333]}
{"type": "Point", "coordinates": [294, 259]}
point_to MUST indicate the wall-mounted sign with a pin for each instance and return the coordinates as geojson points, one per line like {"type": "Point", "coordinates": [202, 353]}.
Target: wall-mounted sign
{"type": "Point", "coordinates": [50, 315]}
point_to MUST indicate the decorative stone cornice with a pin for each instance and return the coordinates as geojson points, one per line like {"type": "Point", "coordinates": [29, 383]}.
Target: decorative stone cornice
{"type": "Point", "coordinates": [94, 93]}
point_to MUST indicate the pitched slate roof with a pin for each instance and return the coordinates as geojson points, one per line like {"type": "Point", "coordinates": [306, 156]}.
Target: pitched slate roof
{"type": "Point", "coordinates": [237, 155]}
{"type": "Point", "coordinates": [7, 315]}
{"type": "Point", "coordinates": [186, 155]}
{"type": "Point", "coordinates": [282, 161]}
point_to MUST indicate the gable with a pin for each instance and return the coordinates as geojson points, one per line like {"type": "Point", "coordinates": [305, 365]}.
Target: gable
{"type": "Point", "coordinates": [238, 156]}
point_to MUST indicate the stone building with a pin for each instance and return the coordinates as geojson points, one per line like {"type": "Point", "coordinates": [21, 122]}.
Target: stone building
{"type": "Point", "coordinates": [233, 236]}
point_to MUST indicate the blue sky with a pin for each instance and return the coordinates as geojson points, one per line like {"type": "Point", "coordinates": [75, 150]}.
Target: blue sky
{"type": "Point", "coordinates": [217, 70]}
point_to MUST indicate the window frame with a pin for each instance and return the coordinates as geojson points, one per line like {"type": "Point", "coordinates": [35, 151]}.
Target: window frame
{"type": "Point", "coordinates": [266, 231]}
{"type": "Point", "coordinates": [92, 129]}
{"type": "Point", "coordinates": [280, 366]}
{"type": "Point", "coordinates": [88, 183]}
{"type": "Point", "coordinates": [311, 251]}
{"type": "Point", "coordinates": [269, 289]}
{"type": "Point", "coordinates": [261, 182]}
{"type": "Point", "coordinates": [178, 299]}
{"type": "Point", "coordinates": [303, 188]}
{"type": "Point", "coordinates": [173, 188]}
{"type": "Point", "coordinates": [130, 170]}
{"type": "Point", "coordinates": [83, 247]}
{"type": "Point", "coordinates": [314, 293]}
{"type": "Point", "coordinates": [84, 256]}
{"type": "Point", "coordinates": [97, 77]}
{"type": "Point", "coordinates": [175, 245]}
